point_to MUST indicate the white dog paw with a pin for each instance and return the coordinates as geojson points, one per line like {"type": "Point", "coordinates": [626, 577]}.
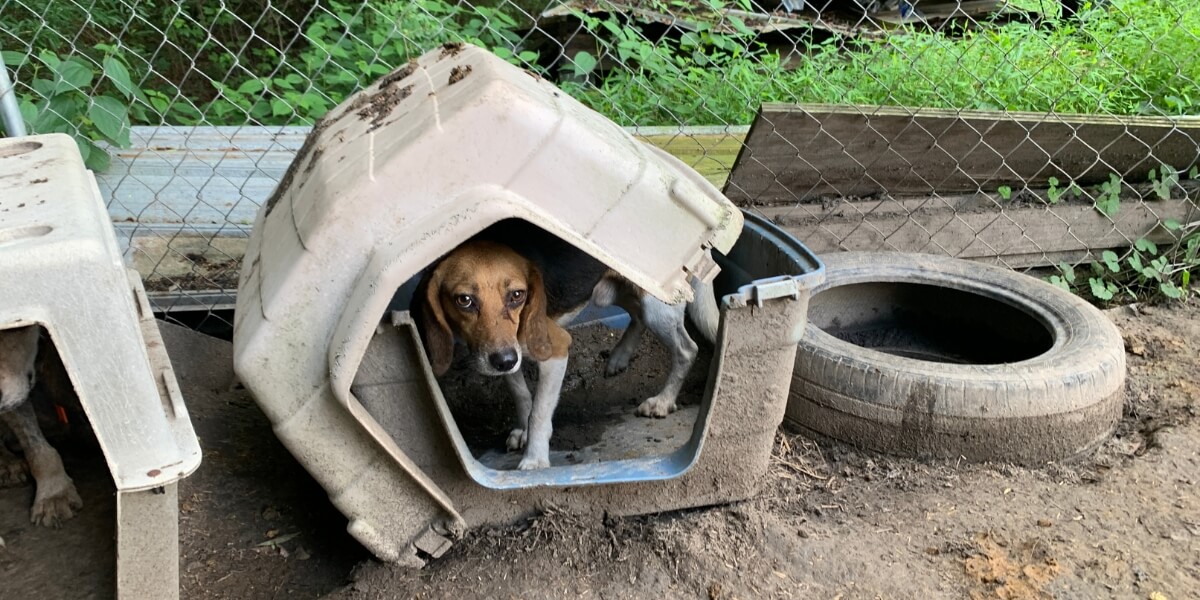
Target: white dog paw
{"type": "Point", "coordinates": [656, 407]}
{"type": "Point", "coordinates": [530, 463]}
{"type": "Point", "coordinates": [517, 439]}
{"type": "Point", "coordinates": [51, 510]}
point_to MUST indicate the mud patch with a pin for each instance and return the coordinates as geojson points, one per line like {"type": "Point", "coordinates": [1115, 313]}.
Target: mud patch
{"type": "Point", "coordinates": [398, 74]}
{"type": "Point", "coordinates": [381, 105]}
{"type": "Point", "coordinates": [312, 161]}
{"type": "Point", "coordinates": [310, 144]}
{"type": "Point", "coordinates": [998, 570]}
{"type": "Point", "coordinates": [450, 49]}
{"type": "Point", "coordinates": [458, 73]}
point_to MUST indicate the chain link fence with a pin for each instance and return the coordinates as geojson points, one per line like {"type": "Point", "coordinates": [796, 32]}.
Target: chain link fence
{"type": "Point", "coordinates": [1051, 135]}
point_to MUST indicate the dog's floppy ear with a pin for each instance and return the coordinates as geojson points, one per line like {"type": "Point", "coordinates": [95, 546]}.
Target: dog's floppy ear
{"type": "Point", "coordinates": [431, 320]}
{"type": "Point", "coordinates": [534, 333]}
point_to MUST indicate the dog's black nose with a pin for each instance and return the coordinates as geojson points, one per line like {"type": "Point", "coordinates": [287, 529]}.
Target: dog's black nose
{"type": "Point", "coordinates": [504, 360]}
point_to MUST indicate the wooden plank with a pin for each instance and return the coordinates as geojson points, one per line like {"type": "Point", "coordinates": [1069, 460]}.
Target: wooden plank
{"type": "Point", "coordinates": [797, 153]}
{"type": "Point", "coordinates": [975, 227]}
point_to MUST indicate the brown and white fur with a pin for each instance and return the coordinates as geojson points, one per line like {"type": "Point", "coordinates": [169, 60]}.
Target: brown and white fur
{"type": "Point", "coordinates": [55, 500]}
{"type": "Point", "coordinates": [507, 295]}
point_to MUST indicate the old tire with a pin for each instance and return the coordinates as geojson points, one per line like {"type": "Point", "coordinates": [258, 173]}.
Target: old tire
{"type": "Point", "coordinates": [935, 357]}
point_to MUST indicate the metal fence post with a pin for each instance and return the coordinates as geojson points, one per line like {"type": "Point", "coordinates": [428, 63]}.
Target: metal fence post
{"type": "Point", "coordinates": [10, 113]}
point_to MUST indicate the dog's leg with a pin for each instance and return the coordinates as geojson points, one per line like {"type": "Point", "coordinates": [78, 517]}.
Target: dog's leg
{"type": "Point", "coordinates": [18, 347]}
{"type": "Point", "coordinates": [667, 322]}
{"type": "Point", "coordinates": [550, 378]}
{"type": "Point", "coordinates": [12, 468]}
{"type": "Point", "coordinates": [618, 360]}
{"type": "Point", "coordinates": [520, 392]}
{"type": "Point", "coordinates": [56, 499]}
{"type": "Point", "coordinates": [610, 291]}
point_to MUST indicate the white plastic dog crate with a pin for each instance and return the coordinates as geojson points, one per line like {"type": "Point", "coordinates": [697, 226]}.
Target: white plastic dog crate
{"type": "Point", "coordinates": [408, 169]}
{"type": "Point", "coordinates": [60, 268]}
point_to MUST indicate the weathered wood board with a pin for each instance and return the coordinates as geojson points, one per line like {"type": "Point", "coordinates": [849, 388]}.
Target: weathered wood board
{"type": "Point", "coordinates": [798, 153]}
{"type": "Point", "coordinates": [976, 227]}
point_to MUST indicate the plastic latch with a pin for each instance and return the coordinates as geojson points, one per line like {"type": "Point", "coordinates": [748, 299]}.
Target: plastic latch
{"type": "Point", "coordinates": [705, 269]}
{"type": "Point", "coordinates": [769, 289]}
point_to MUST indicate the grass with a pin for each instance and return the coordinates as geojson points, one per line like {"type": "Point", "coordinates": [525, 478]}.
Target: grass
{"type": "Point", "coordinates": [1130, 57]}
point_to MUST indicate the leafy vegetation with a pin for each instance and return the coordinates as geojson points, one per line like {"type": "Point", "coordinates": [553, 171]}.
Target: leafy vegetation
{"type": "Point", "coordinates": [1147, 270]}
{"type": "Point", "coordinates": [72, 97]}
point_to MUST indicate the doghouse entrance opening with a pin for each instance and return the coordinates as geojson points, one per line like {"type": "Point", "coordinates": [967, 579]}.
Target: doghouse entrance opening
{"type": "Point", "coordinates": [34, 560]}
{"type": "Point", "coordinates": [595, 421]}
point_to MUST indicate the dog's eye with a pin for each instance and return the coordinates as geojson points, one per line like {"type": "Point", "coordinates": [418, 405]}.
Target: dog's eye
{"type": "Point", "coordinates": [464, 301]}
{"type": "Point", "coordinates": [516, 296]}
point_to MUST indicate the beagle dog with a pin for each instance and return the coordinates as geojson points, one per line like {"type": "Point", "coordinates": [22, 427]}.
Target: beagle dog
{"type": "Point", "coordinates": [55, 500]}
{"type": "Point", "coordinates": [508, 293]}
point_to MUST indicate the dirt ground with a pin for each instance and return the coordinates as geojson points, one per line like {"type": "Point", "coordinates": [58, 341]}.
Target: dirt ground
{"type": "Point", "coordinates": [830, 521]}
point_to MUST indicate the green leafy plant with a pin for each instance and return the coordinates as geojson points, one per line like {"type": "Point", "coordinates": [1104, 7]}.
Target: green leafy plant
{"type": "Point", "coordinates": [1145, 272]}
{"type": "Point", "coordinates": [1163, 181]}
{"type": "Point", "coordinates": [1005, 192]}
{"type": "Point", "coordinates": [1053, 193]}
{"type": "Point", "coordinates": [1065, 278]}
{"type": "Point", "coordinates": [1101, 289]}
{"type": "Point", "coordinates": [350, 47]}
{"type": "Point", "coordinates": [72, 95]}
{"type": "Point", "coordinates": [1108, 201]}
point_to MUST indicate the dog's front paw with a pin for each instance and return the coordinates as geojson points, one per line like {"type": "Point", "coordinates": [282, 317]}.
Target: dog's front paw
{"type": "Point", "coordinates": [656, 407]}
{"type": "Point", "coordinates": [13, 471]}
{"type": "Point", "coordinates": [52, 509]}
{"type": "Point", "coordinates": [517, 439]}
{"type": "Point", "coordinates": [530, 463]}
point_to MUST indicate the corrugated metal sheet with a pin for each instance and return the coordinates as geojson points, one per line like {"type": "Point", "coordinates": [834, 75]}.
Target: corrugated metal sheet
{"type": "Point", "coordinates": [207, 178]}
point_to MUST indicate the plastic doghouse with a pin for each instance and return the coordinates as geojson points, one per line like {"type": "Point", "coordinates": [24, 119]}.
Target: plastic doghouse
{"type": "Point", "coordinates": [60, 268]}
{"type": "Point", "coordinates": [407, 170]}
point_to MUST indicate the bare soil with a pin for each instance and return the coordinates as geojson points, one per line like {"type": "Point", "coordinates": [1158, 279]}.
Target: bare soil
{"type": "Point", "coordinates": [830, 522]}
{"type": "Point", "coordinates": [205, 274]}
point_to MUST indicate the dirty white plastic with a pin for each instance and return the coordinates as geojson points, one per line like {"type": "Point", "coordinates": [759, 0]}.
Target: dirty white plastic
{"type": "Point", "coordinates": [60, 268]}
{"type": "Point", "coordinates": [400, 174]}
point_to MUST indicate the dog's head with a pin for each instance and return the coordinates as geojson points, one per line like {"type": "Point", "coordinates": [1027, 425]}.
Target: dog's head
{"type": "Point", "coordinates": [491, 298]}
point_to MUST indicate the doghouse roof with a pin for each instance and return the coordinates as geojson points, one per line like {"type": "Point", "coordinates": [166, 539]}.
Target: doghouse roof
{"type": "Point", "coordinates": [459, 132]}
{"type": "Point", "coordinates": [429, 155]}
